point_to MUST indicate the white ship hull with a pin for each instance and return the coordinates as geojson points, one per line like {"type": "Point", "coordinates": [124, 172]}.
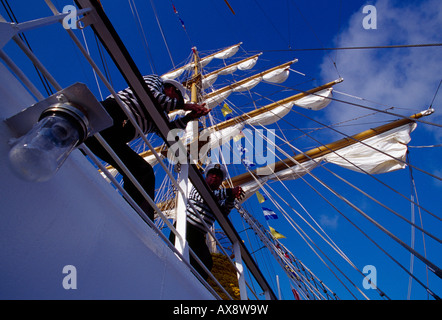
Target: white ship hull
{"type": "Point", "coordinates": [77, 219]}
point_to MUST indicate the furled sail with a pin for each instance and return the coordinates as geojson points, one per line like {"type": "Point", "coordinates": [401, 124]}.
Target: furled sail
{"type": "Point", "coordinates": [277, 74]}
{"type": "Point", "coordinates": [274, 75]}
{"type": "Point", "coordinates": [379, 150]}
{"type": "Point", "coordinates": [224, 131]}
{"type": "Point", "coordinates": [316, 102]}
{"type": "Point", "coordinates": [223, 54]}
{"type": "Point", "coordinates": [227, 130]}
{"type": "Point", "coordinates": [366, 157]}
{"type": "Point", "coordinates": [245, 64]}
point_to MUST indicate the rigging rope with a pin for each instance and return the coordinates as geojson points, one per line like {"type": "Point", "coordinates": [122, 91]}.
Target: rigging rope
{"type": "Point", "coordinates": [324, 126]}
{"type": "Point", "coordinates": [357, 48]}
{"type": "Point", "coordinates": [12, 17]}
{"type": "Point", "coordinates": [95, 74]}
{"type": "Point", "coordinates": [140, 28]}
{"type": "Point", "coordinates": [298, 230]}
{"type": "Point", "coordinates": [432, 266]}
{"type": "Point", "coordinates": [182, 24]}
{"type": "Point", "coordinates": [103, 60]}
{"type": "Point", "coordinates": [317, 38]}
{"type": "Point", "coordinates": [371, 147]}
{"type": "Point", "coordinates": [387, 253]}
{"type": "Point", "coordinates": [375, 199]}
{"type": "Point", "coordinates": [414, 193]}
{"type": "Point", "coordinates": [162, 33]}
{"type": "Point", "coordinates": [355, 206]}
{"type": "Point", "coordinates": [437, 90]}
{"type": "Point", "coordinates": [381, 293]}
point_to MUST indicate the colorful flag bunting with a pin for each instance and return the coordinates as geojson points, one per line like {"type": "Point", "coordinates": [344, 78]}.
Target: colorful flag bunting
{"type": "Point", "coordinates": [296, 294]}
{"type": "Point", "coordinates": [260, 197]}
{"type": "Point", "coordinates": [249, 164]}
{"type": "Point", "coordinates": [179, 18]}
{"type": "Point", "coordinates": [276, 234]}
{"type": "Point", "coordinates": [238, 136]}
{"type": "Point", "coordinates": [226, 110]}
{"type": "Point", "coordinates": [182, 23]}
{"type": "Point", "coordinates": [242, 150]}
{"type": "Point", "coordinates": [174, 9]}
{"type": "Point", "coordinates": [269, 214]}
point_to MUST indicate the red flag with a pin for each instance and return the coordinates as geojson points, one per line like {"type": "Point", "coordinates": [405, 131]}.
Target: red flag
{"type": "Point", "coordinates": [174, 9]}
{"type": "Point", "coordinates": [182, 23]}
{"type": "Point", "coordinates": [296, 294]}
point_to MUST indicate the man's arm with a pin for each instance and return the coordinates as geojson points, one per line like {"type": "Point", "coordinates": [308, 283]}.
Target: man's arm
{"type": "Point", "coordinates": [226, 198]}
{"type": "Point", "coordinates": [155, 84]}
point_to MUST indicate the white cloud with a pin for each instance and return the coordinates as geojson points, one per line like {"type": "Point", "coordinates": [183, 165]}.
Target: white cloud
{"type": "Point", "coordinates": [404, 78]}
{"type": "Point", "coordinates": [328, 222]}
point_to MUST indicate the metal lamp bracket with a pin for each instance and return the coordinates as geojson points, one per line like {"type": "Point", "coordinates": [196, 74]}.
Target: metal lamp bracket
{"type": "Point", "coordinates": [9, 29]}
{"type": "Point", "coordinates": [78, 94]}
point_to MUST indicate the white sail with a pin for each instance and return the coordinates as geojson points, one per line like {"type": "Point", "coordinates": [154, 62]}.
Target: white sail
{"type": "Point", "coordinates": [274, 75]}
{"type": "Point", "coordinates": [246, 64]}
{"type": "Point", "coordinates": [316, 102]}
{"type": "Point", "coordinates": [381, 153]}
{"type": "Point", "coordinates": [225, 131]}
{"type": "Point", "coordinates": [291, 173]}
{"type": "Point", "coordinates": [227, 53]}
{"type": "Point", "coordinates": [223, 54]}
{"type": "Point", "coordinates": [270, 113]}
{"type": "Point", "coordinates": [176, 73]}
{"type": "Point", "coordinates": [313, 102]}
{"type": "Point", "coordinates": [212, 102]}
{"type": "Point", "coordinates": [209, 81]}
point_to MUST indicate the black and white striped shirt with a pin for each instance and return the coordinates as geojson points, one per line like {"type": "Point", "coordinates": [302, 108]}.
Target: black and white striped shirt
{"type": "Point", "coordinates": [141, 114]}
{"type": "Point", "coordinates": [226, 203]}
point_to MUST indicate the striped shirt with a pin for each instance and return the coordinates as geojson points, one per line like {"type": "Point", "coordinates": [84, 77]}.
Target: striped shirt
{"type": "Point", "coordinates": [141, 114]}
{"type": "Point", "coordinates": [226, 203]}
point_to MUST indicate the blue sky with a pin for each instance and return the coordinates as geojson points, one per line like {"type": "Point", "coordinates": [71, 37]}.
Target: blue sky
{"type": "Point", "coordinates": [405, 79]}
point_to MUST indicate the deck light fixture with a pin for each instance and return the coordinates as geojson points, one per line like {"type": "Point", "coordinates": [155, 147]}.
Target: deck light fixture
{"type": "Point", "coordinates": [51, 129]}
{"type": "Point", "coordinates": [38, 155]}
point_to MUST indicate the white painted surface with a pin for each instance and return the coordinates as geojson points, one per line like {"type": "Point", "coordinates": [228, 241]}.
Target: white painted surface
{"type": "Point", "coordinates": [77, 219]}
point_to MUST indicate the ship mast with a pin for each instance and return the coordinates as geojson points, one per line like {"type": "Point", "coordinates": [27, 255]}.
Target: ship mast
{"type": "Point", "coordinates": [181, 216]}
{"type": "Point", "coordinates": [196, 79]}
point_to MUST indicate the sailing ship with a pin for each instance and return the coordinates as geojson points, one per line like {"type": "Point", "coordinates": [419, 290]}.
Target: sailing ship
{"type": "Point", "coordinates": [120, 253]}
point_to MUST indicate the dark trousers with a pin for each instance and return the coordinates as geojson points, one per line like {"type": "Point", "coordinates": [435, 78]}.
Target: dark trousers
{"type": "Point", "coordinates": [117, 137]}
{"type": "Point", "coordinates": [197, 242]}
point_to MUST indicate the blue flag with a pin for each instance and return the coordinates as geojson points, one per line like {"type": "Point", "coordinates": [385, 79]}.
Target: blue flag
{"type": "Point", "coordinates": [269, 214]}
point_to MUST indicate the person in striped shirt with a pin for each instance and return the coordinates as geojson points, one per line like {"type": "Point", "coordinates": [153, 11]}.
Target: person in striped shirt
{"type": "Point", "coordinates": [196, 229]}
{"type": "Point", "coordinates": [170, 96]}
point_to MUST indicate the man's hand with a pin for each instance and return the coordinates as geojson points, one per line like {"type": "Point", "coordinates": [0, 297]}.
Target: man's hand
{"type": "Point", "coordinates": [195, 115]}
{"type": "Point", "coordinates": [238, 193]}
{"type": "Point", "coordinates": [197, 110]}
